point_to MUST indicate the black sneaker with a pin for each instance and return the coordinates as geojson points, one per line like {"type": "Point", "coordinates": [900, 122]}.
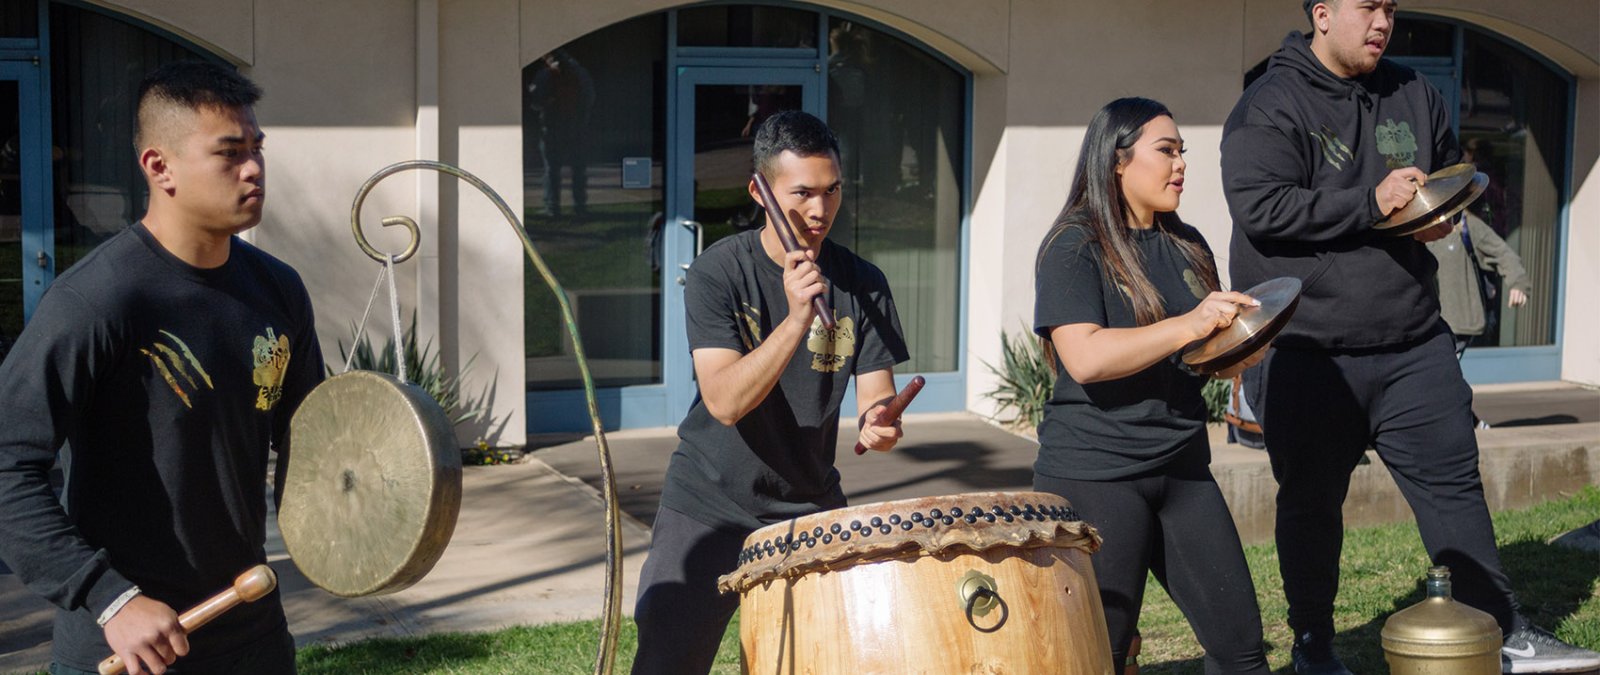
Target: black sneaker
{"type": "Point", "coordinates": [1535, 650]}
{"type": "Point", "coordinates": [1313, 655]}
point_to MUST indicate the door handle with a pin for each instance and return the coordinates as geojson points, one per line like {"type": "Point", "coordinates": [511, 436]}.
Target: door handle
{"type": "Point", "coordinates": [44, 260]}
{"type": "Point", "coordinates": [699, 234]}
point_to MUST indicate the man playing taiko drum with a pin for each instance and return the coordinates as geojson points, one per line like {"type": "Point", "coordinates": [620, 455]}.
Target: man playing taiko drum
{"type": "Point", "coordinates": [758, 445]}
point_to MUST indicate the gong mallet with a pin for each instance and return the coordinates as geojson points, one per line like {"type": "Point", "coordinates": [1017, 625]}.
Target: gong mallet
{"type": "Point", "coordinates": [897, 405]}
{"type": "Point", "coordinates": [780, 224]}
{"type": "Point", "coordinates": [251, 586]}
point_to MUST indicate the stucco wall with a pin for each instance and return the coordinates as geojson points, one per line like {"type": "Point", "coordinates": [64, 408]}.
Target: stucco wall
{"type": "Point", "coordinates": [347, 82]}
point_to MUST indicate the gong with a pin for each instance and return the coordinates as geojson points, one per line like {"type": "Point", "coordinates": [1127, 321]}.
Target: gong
{"type": "Point", "coordinates": [1447, 192]}
{"type": "Point", "coordinates": [373, 484]}
{"type": "Point", "coordinates": [1252, 329]}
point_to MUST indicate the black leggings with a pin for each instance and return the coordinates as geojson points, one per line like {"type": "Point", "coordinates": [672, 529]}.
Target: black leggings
{"type": "Point", "coordinates": [1173, 523]}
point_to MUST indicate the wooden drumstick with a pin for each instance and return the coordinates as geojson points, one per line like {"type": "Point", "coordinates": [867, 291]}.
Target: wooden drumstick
{"type": "Point", "coordinates": [780, 224]}
{"type": "Point", "coordinates": [251, 586]}
{"type": "Point", "coordinates": [897, 405]}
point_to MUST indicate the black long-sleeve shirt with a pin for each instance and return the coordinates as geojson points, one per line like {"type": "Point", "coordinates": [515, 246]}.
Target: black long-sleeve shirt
{"type": "Point", "coordinates": [168, 383]}
{"type": "Point", "coordinates": [1302, 153]}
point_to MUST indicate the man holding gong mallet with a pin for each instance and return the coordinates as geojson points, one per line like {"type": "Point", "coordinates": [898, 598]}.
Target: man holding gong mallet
{"type": "Point", "coordinates": [1318, 152]}
{"type": "Point", "coordinates": [758, 444]}
{"type": "Point", "coordinates": [169, 359]}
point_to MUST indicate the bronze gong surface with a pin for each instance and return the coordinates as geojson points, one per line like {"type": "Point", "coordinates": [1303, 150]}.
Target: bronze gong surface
{"type": "Point", "coordinates": [373, 485]}
{"type": "Point", "coordinates": [1252, 328]}
{"type": "Point", "coordinates": [1447, 192]}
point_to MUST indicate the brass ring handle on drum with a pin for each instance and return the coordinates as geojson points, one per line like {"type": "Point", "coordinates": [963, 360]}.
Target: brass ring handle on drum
{"type": "Point", "coordinates": [610, 621]}
{"type": "Point", "coordinates": [978, 593]}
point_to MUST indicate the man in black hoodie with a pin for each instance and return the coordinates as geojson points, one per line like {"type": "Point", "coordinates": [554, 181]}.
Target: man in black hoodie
{"type": "Point", "coordinates": [1325, 145]}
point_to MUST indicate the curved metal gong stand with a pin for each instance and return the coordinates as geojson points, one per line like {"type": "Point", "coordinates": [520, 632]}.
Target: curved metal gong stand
{"type": "Point", "coordinates": [610, 622]}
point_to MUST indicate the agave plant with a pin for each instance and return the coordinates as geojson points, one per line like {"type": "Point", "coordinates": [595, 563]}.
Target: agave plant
{"type": "Point", "coordinates": [1217, 394]}
{"type": "Point", "coordinates": [423, 369]}
{"type": "Point", "coordinates": [1026, 378]}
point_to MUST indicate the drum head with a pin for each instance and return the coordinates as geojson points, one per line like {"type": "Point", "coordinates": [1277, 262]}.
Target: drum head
{"type": "Point", "coordinates": [373, 485]}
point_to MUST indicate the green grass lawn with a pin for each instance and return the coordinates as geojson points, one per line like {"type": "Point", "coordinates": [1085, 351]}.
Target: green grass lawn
{"type": "Point", "coordinates": [1383, 568]}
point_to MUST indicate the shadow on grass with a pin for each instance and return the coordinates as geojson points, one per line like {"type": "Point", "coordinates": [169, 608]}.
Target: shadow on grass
{"type": "Point", "coordinates": [1550, 583]}
{"type": "Point", "coordinates": [400, 656]}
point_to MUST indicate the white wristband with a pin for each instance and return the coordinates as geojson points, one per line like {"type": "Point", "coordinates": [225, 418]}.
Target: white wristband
{"type": "Point", "coordinates": [116, 605]}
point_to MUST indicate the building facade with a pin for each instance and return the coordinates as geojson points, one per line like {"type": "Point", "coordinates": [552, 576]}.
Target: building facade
{"type": "Point", "coordinates": [620, 130]}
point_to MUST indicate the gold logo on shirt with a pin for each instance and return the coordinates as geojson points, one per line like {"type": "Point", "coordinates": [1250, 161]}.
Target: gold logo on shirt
{"type": "Point", "coordinates": [1192, 280]}
{"type": "Point", "coordinates": [831, 348]}
{"type": "Point", "coordinates": [1397, 144]}
{"type": "Point", "coordinates": [271, 356]}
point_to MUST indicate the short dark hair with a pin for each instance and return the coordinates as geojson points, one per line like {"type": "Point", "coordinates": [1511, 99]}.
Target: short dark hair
{"type": "Point", "coordinates": [795, 131]}
{"type": "Point", "coordinates": [190, 85]}
{"type": "Point", "coordinates": [1309, 5]}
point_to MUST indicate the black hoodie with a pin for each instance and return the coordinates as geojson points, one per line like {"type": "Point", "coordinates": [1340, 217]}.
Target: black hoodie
{"type": "Point", "coordinates": [1302, 154]}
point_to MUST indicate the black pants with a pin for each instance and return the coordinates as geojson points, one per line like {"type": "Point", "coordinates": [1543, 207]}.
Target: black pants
{"type": "Point", "coordinates": [680, 614]}
{"type": "Point", "coordinates": [1172, 523]}
{"type": "Point", "coordinates": [1321, 410]}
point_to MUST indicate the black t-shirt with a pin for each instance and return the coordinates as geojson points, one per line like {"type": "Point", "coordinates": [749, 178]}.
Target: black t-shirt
{"type": "Point", "coordinates": [777, 462]}
{"type": "Point", "coordinates": [169, 383]}
{"type": "Point", "coordinates": [1117, 428]}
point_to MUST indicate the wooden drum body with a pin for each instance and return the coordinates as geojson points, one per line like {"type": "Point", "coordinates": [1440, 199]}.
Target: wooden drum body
{"type": "Point", "coordinates": [989, 583]}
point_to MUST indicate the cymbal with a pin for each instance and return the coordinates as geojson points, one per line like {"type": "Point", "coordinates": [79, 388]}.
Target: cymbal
{"type": "Point", "coordinates": [1447, 192]}
{"type": "Point", "coordinates": [373, 484]}
{"type": "Point", "coordinates": [1253, 328]}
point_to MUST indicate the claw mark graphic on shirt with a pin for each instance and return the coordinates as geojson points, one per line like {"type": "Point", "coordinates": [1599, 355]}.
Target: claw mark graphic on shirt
{"type": "Point", "coordinates": [271, 356]}
{"type": "Point", "coordinates": [750, 332]}
{"type": "Point", "coordinates": [172, 366]}
{"type": "Point", "coordinates": [1333, 149]}
{"type": "Point", "coordinates": [1397, 143]}
{"type": "Point", "coordinates": [189, 356]}
{"type": "Point", "coordinates": [831, 348]}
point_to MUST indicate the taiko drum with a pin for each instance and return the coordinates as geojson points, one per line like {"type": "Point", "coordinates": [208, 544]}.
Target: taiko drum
{"type": "Point", "coordinates": [993, 582]}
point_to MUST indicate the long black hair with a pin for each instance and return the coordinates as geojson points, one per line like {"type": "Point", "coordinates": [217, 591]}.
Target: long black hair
{"type": "Point", "coordinates": [1096, 204]}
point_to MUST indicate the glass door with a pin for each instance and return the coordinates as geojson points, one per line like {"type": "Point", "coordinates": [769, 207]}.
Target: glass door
{"type": "Point", "coordinates": [26, 249]}
{"type": "Point", "coordinates": [716, 113]}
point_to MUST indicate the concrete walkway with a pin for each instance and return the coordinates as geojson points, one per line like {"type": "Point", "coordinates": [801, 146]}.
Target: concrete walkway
{"type": "Point", "coordinates": [529, 547]}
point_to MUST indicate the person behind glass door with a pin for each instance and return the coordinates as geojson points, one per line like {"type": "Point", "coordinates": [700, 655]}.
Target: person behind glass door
{"type": "Point", "coordinates": [562, 92]}
{"type": "Point", "coordinates": [1121, 286]}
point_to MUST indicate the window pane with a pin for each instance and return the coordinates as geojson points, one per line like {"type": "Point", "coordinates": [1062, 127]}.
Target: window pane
{"type": "Point", "coordinates": [11, 178]}
{"type": "Point", "coordinates": [1514, 126]}
{"type": "Point", "coordinates": [726, 118]}
{"type": "Point", "coordinates": [19, 19]}
{"type": "Point", "coordinates": [746, 26]}
{"type": "Point", "coordinates": [1421, 37]}
{"type": "Point", "coordinates": [96, 64]}
{"type": "Point", "coordinates": [593, 130]}
{"type": "Point", "coordinates": [900, 117]}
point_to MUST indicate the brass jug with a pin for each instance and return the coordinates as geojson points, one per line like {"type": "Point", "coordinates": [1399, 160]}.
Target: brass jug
{"type": "Point", "coordinates": [1440, 636]}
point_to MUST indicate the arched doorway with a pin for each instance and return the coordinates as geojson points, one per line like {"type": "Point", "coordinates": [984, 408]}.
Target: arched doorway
{"type": "Point", "coordinates": [68, 177]}
{"type": "Point", "coordinates": [636, 154]}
